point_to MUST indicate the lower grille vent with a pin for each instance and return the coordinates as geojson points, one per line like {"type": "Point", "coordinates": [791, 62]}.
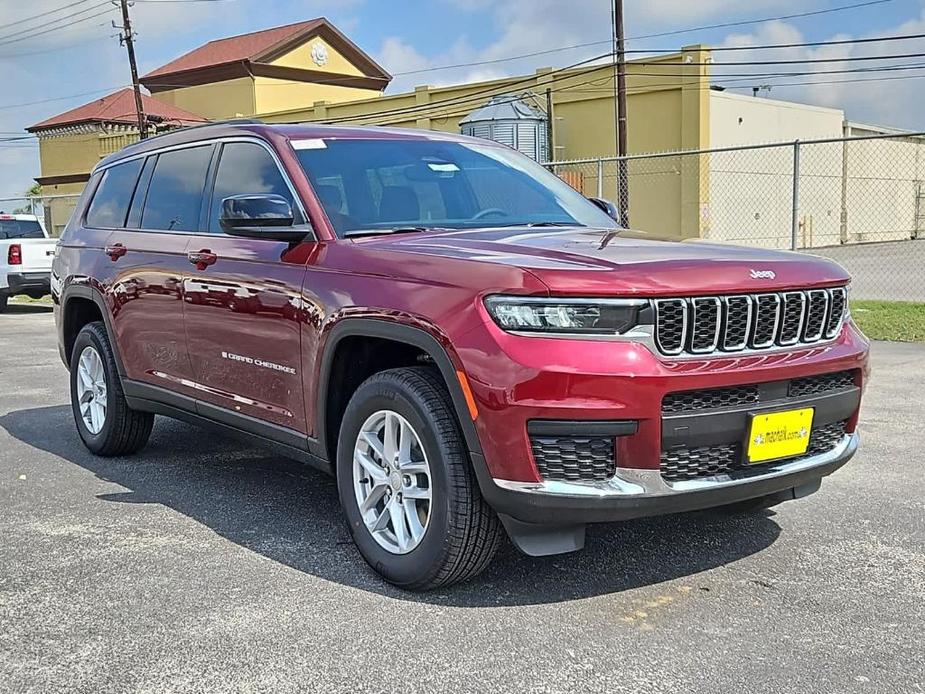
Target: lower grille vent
{"type": "Point", "coordinates": [710, 398]}
{"type": "Point", "coordinates": [733, 396]}
{"type": "Point", "coordinates": [706, 461]}
{"type": "Point", "coordinates": [813, 385]}
{"type": "Point", "coordinates": [574, 459]}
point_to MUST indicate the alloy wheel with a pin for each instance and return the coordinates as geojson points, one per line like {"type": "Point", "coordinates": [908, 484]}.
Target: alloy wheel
{"type": "Point", "coordinates": [91, 390]}
{"type": "Point", "coordinates": [392, 482]}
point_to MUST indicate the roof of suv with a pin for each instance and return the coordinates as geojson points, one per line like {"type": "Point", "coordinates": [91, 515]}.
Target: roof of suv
{"type": "Point", "coordinates": [289, 131]}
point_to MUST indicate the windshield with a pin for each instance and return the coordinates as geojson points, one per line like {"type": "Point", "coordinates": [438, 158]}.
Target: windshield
{"type": "Point", "coordinates": [20, 229]}
{"type": "Point", "coordinates": [371, 185]}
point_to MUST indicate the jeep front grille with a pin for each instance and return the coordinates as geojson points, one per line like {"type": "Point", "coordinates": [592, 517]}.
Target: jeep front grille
{"type": "Point", "coordinates": [707, 325]}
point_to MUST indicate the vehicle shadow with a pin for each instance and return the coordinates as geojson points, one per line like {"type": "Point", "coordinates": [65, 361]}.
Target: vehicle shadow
{"type": "Point", "coordinates": [289, 513]}
{"type": "Point", "coordinates": [24, 308]}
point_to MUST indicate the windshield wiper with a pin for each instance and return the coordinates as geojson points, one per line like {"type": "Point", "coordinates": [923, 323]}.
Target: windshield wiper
{"type": "Point", "coordinates": [537, 224]}
{"type": "Point", "coordinates": [393, 230]}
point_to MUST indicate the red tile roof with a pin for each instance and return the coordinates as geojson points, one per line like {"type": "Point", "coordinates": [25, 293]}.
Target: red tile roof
{"type": "Point", "coordinates": [119, 107]}
{"type": "Point", "coordinates": [234, 48]}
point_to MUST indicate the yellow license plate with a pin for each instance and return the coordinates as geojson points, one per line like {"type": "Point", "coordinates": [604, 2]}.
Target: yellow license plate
{"type": "Point", "coordinates": [779, 435]}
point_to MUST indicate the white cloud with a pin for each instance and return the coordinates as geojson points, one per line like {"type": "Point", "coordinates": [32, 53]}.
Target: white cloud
{"type": "Point", "coordinates": [667, 12]}
{"type": "Point", "coordinates": [882, 98]}
{"type": "Point", "coordinates": [530, 26]}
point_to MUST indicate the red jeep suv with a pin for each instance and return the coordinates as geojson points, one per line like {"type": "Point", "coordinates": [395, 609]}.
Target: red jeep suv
{"type": "Point", "coordinates": [466, 342]}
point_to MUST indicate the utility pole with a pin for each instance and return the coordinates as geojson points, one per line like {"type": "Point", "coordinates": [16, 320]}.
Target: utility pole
{"type": "Point", "coordinates": [550, 119]}
{"type": "Point", "coordinates": [127, 38]}
{"type": "Point", "coordinates": [620, 97]}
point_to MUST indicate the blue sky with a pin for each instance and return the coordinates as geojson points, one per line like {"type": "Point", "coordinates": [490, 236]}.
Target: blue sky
{"type": "Point", "coordinates": [82, 61]}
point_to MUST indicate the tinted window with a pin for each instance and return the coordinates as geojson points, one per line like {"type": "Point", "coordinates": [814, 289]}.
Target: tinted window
{"type": "Point", "coordinates": [20, 229]}
{"type": "Point", "coordinates": [175, 194]}
{"type": "Point", "coordinates": [112, 198]}
{"type": "Point", "coordinates": [245, 168]}
{"type": "Point", "coordinates": [141, 190]}
{"type": "Point", "coordinates": [369, 185]}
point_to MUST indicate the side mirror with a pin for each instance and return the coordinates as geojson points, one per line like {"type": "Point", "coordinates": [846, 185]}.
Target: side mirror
{"type": "Point", "coordinates": [261, 216]}
{"type": "Point", "coordinates": [607, 208]}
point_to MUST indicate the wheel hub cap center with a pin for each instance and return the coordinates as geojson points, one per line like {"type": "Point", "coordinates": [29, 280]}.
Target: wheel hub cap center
{"type": "Point", "coordinates": [395, 481]}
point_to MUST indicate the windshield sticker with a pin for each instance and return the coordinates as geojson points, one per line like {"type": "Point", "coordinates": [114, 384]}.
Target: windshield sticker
{"type": "Point", "coordinates": [315, 143]}
{"type": "Point", "coordinates": [443, 167]}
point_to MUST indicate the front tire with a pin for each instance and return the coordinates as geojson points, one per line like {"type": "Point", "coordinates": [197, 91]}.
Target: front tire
{"type": "Point", "coordinates": [406, 483]}
{"type": "Point", "coordinates": [105, 422]}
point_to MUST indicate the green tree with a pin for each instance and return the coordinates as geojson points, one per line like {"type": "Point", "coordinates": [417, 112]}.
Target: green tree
{"type": "Point", "coordinates": [34, 191]}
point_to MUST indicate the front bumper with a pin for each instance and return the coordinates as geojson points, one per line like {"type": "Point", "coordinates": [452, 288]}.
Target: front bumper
{"type": "Point", "coordinates": [517, 380]}
{"type": "Point", "coordinates": [635, 493]}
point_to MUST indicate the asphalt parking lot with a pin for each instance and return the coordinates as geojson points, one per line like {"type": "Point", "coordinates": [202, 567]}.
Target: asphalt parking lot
{"type": "Point", "coordinates": [202, 565]}
{"type": "Point", "coordinates": [889, 271]}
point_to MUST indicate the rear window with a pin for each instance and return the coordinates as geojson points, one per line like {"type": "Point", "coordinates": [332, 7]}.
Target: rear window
{"type": "Point", "coordinates": [20, 229]}
{"type": "Point", "coordinates": [112, 198]}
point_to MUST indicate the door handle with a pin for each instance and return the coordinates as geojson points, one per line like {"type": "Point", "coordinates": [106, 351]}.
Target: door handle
{"type": "Point", "coordinates": [116, 251]}
{"type": "Point", "coordinates": [202, 259]}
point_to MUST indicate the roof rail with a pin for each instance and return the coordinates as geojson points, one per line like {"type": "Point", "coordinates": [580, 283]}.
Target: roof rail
{"type": "Point", "coordinates": [227, 121]}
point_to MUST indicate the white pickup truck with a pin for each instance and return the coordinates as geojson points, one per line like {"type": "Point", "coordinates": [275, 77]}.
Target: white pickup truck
{"type": "Point", "coordinates": [26, 254]}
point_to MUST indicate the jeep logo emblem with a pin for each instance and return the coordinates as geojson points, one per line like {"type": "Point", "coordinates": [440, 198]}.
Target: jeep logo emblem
{"type": "Point", "coordinates": [762, 274]}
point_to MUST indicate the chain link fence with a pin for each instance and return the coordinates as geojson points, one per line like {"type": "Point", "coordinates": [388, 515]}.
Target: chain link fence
{"type": "Point", "coordinates": [859, 201]}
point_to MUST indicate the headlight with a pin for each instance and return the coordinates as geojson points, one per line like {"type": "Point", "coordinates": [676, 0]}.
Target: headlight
{"type": "Point", "coordinates": [571, 316]}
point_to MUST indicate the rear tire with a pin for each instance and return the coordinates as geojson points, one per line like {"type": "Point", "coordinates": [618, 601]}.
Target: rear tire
{"type": "Point", "coordinates": [3, 302]}
{"type": "Point", "coordinates": [450, 537]}
{"type": "Point", "coordinates": [105, 422]}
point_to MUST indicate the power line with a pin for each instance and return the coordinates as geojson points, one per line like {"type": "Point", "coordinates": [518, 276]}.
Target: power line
{"type": "Point", "coordinates": [42, 14]}
{"type": "Point", "coordinates": [659, 64]}
{"type": "Point", "coordinates": [508, 86]}
{"type": "Point", "coordinates": [436, 114]}
{"type": "Point", "coordinates": [482, 92]}
{"type": "Point", "coordinates": [589, 44]}
{"type": "Point", "coordinates": [20, 54]}
{"type": "Point", "coordinates": [57, 98]}
{"type": "Point", "coordinates": [795, 61]}
{"type": "Point", "coordinates": [422, 109]}
{"type": "Point", "coordinates": [806, 44]}
{"type": "Point", "coordinates": [727, 25]}
{"type": "Point", "coordinates": [52, 29]}
{"type": "Point", "coordinates": [57, 20]}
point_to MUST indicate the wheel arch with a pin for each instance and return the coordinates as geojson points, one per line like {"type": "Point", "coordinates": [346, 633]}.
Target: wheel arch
{"type": "Point", "coordinates": [414, 337]}
{"type": "Point", "coordinates": [76, 311]}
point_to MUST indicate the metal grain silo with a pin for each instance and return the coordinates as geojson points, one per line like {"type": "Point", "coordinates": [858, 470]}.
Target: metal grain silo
{"type": "Point", "coordinates": [511, 121]}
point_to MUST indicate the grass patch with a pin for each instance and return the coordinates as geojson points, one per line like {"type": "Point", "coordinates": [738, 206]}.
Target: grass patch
{"type": "Point", "coordinates": [897, 321]}
{"type": "Point", "coordinates": [23, 299]}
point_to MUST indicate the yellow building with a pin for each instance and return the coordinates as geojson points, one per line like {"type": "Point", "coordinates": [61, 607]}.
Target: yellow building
{"type": "Point", "coordinates": [271, 70]}
{"type": "Point", "coordinates": [284, 67]}
{"type": "Point", "coordinates": [73, 142]}
{"type": "Point", "coordinates": [310, 71]}
{"type": "Point", "coordinates": [668, 107]}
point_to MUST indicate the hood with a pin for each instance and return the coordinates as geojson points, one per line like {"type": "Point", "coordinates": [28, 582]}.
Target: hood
{"type": "Point", "coordinates": [578, 260]}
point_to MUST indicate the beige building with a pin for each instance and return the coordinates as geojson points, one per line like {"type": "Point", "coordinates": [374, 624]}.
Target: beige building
{"type": "Point", "coordinates": [297, 64]}
{"type": "Point", "coordinates": [270, 70]}
{"type": "Point", "coordinates": [73, 142]}
{"type": "Point", "coordinates": [310, 71]}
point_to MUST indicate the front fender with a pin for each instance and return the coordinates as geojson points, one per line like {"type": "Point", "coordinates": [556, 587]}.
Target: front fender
{"type": "Point", "coordinates": [425, 337]}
